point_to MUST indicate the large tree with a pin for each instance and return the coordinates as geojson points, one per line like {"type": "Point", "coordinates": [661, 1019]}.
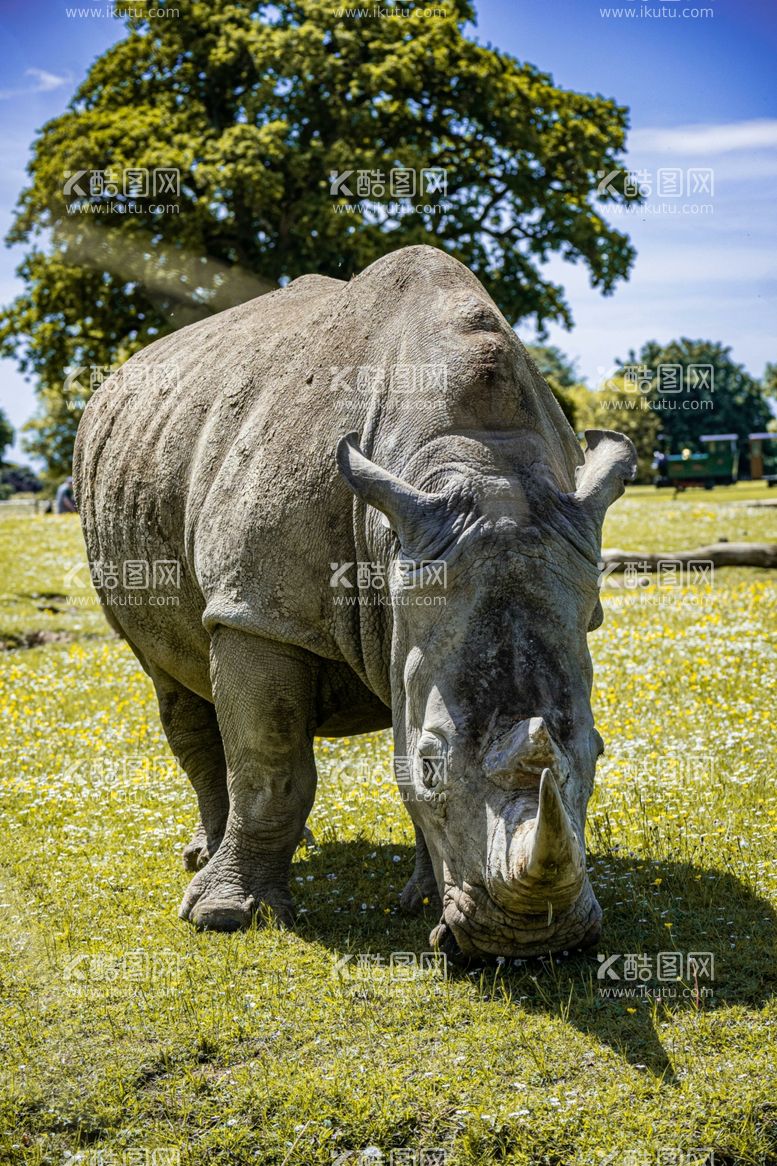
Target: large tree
{"type": "Point", "coordinates": [711, 393]}
{"type": "Point", "coordinates": [258, 106]}
{"type": "Point", "coordinates": [769, 382]}
{"type": "Point", "coordinates": [6, 435]}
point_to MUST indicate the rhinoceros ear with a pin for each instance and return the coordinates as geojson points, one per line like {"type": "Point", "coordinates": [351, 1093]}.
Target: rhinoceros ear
{"type": "Point", "coordinates": [610, 462]}
{"type": "Point", "coordinates": [414, 515]}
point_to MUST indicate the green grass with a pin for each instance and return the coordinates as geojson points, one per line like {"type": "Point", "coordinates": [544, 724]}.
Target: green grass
{"type": "Point", "coordinates": [122, 1029]}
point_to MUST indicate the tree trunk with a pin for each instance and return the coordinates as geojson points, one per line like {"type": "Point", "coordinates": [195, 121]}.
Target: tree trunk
{"type": "Point", "coordinates": [719, 554]}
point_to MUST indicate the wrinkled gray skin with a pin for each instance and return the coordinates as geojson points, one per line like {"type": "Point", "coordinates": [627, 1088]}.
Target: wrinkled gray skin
{"type": "Point", "coordinates": [232, 471]}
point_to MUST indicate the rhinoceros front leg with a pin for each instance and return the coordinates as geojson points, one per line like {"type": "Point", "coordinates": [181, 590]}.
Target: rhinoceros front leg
{"type": "Point", "coordinates": [421, 890]}
{"type": "Point", "coordinates": [264, 695]}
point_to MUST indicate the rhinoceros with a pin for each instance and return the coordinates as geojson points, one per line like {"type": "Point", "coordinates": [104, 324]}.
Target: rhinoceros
{"type": "Point", "coordinates": [392, 425]}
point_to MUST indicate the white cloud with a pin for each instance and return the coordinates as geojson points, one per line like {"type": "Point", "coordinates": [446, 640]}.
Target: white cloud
{"type": "Point", "coordinates": [706, 140]}
{"type": "Point", "coordinates": [43, 82]}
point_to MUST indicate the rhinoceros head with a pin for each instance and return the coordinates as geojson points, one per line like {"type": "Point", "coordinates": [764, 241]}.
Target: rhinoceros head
{"type": "Point", "coordinates": [491, 684]}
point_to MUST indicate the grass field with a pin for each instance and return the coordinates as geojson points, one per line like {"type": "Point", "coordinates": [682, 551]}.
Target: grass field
{"type": "Point", "coordinates": [127, 1038]}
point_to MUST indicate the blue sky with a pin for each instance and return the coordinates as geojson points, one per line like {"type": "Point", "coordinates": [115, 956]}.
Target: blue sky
{"type": "Point", "coordinates": [702, 96]}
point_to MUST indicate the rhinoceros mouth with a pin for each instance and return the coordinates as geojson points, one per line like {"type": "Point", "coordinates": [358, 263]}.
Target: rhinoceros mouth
{"type": "Point", "coordinates": [480, 926]}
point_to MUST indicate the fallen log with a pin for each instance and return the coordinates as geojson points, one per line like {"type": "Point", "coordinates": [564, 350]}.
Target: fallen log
{"type": "Point", "coordinates": [719, 554]}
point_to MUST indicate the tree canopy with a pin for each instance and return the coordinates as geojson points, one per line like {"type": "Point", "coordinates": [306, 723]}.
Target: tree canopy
{"type": "Point", "coordinates": [6, 434]}
{"type": "Point", "coordinates": [668, 395]}
{"type": "Point", "coordinates": [710, 393]}
{"type": "Point", "coordinates": [262, 108]}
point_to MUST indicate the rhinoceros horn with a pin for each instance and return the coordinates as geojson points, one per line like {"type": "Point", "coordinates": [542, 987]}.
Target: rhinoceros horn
{"type": "Point", "coordinates": [552, 851]}
{"type": "Point", "coordinates": [545, 868]}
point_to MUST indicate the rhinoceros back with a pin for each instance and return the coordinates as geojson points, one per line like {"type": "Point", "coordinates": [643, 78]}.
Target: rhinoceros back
{"type": "Point", "coordinates": [206, 449]}
{"type": "Point", "coordinates": [214, 448]}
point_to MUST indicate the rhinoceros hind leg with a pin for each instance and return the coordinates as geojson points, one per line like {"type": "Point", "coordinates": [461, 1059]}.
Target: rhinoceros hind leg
{"type": "Point", "coordinates": [421, 891]}
{"type": "Point", "coordinates": [192, 731]}
{"type": "Point", "coordinates": [264, 694]}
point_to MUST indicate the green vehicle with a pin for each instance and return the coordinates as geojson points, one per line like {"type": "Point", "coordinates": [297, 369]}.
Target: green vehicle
{"type": "Point", "coordinates": [715, 464]}
{"type": "Point", "coordinates": [763, 457]}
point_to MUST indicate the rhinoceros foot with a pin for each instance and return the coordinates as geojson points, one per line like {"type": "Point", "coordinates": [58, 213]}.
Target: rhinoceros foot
{"type": "Point", "coordinates": [220, 898]}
